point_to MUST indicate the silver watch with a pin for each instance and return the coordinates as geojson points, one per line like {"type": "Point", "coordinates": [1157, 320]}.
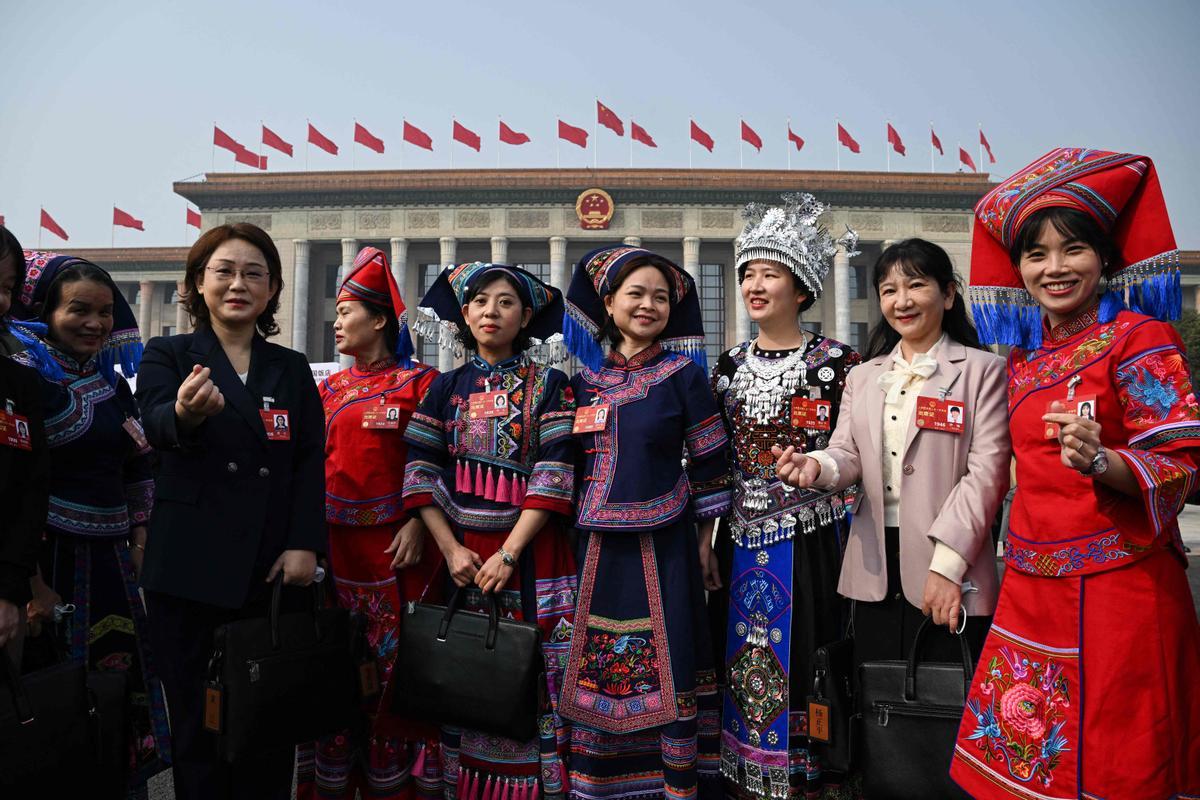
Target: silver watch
{"type": "Point", "coordinates": [509, 561]}
{"type": "Point", "coordinates": [1099, 464]}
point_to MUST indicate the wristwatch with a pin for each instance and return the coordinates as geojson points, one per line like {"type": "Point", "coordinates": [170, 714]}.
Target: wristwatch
{"type": "Point", "coordinates": [1099, 464]}
{"type": "Point", "coordinates": [510, 561]}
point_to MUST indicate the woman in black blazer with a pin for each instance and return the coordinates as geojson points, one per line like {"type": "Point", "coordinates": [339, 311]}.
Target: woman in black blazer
{"type": "Point", "coordinates": [238, 498]}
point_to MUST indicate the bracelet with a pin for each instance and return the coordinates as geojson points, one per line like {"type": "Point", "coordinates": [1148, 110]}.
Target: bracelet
{"type": "Point", "coordinates": [136, 546]}
{"type": "Point", "coordinates": [507, 557]}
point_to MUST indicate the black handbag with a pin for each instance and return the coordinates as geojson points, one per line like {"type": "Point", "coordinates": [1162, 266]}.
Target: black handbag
{"type": "Point", "coordinates": [111, 732]}
{"type": "Point", "coordinates": [280, 680]}
{"type": "Point", "coordinates": [910, 713]}
{"type": "Point", "coordinates": [471, 670]}
{"type": "Point", "coordinates": [44, 726]}
{"type": "Point", "coordinates": [831, 705]}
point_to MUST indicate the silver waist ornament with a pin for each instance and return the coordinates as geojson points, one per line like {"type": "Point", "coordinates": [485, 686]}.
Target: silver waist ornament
{"type": "Point", "coordinates": [762, 384]}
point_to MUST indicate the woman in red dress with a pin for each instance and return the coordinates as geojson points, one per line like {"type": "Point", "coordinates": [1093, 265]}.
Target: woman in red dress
{"type": "Point", "coordinates": [1086, 687]}
{"type": "Point", "coordinates": [376, 551]}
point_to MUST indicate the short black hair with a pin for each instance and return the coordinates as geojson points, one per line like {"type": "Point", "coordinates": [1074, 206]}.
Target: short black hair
{"type": "Point", "coordinates": [522, 341]}
{"type": "Point", "coordinates": [391, 328]}
{"type": "Point", "coordinates": [201, 252]}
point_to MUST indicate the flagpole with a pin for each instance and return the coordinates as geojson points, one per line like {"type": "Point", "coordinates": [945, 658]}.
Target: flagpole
{"type": "Point", "coordinates": [931, 166]}
{"type": "Point", "coordinates": [741, 152]}
{"type": "Point", "coordinates": [979, 146]}
{"type": "Point", "coordinates": [40, 208]}
{"type": "Point", "coordinates": [214, 147]}
{"type": "Point", "coordinates": [306, 138]}
{"type": "Point", "coordinates": [353, 149]}
{"type": "Point", "coordinates": [596, 137]}
{"type": "Point", "coordinates": [631, 143]}
{"type": "Point", "coordinates": [689, 145]}
{"type": "Point", "coordinates": [112, 230]}
{"type": "Point", "coordinates": [498, 142]}
{"type": "Point", "coordinates": [789, 144]}
{"type": "Point", "coordinates": [837, 145]}
{"type": "Point", "coordinates": [558, 153]}
{"type": "Point", "coordinates": [888, 149]}
{"type": "Point", "coordinates": [451, 146]}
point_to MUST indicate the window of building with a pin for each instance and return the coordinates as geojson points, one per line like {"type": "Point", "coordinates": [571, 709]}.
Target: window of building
{"type": "Point", "coordinates": [539, 271]}
{"type": "Point", "coordinates": [427, 348]}
{"type": "Point", "coordinates": [858, 281]}
{"type": "Point", "coordinates": [811, 327]}
{"type": "Point", "coordinates": [858, 336]}
{"type": "Point", "coordinates": [712, 308]}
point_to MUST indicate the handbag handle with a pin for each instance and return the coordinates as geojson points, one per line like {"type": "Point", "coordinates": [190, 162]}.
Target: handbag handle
{"type": "Point", "coordinates": [11, 676]}
{"type": "Point", "coordinates": [455, 603]}
{"type": "Point", "coordinates": [910, 672]}
{"type": "Point", "coordinates": [276, 602]}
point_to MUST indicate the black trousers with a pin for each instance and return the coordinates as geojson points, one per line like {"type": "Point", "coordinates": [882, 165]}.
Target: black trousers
{"type": "Point", "coordinates": [181, 632]}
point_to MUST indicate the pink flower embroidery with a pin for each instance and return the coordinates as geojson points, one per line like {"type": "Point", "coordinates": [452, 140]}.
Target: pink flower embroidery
{"type": "Point", "coordinates": [1024, 709]}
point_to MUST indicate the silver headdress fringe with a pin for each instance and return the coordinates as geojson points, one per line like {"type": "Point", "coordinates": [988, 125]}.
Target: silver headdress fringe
{"type": "Point", "coordinates": [551, 350]}
{"type": "Point", "coordinates": [792, 235]}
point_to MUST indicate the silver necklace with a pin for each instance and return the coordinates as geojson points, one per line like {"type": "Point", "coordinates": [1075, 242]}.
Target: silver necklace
{"type": "Point", "coordinates": [762, 384]}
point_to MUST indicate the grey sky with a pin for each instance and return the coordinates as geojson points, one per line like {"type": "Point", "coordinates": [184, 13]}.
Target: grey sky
{"type": "Point", "coordinates": [110, 102]}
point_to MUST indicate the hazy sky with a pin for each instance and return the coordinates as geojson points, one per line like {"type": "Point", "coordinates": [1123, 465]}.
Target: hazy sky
{"type": "Point", "coordinates": [104, 103]}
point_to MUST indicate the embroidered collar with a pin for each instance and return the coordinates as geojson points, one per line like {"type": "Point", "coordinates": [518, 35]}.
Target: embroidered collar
{"type": "Point", "coordinates": [73, 367]}
{"type": "Point", "coordinates": [512, 362]}
{"type": "Point", "coordinates": [1065, 330]}
{"type": "Point", "coordinates": [639, 359]}
{"type": "Point", "coordinates": [375, 367]}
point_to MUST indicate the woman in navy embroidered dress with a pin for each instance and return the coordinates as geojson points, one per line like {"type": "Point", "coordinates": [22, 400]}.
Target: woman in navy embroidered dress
{"type": "Point", "coordinates": [640, 684]}
{"type": "Point", "coordinates": [102, 490]}
{"type": "Point", "coordinates": [493, 485]}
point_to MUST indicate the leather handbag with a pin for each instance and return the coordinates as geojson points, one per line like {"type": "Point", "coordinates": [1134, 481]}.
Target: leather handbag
{"type": "Point", "coordinates": [831, 705]}
{"type": "Point", "coordinates": [44, 730]}
{"type": "Point", "coordinates": [910, 712]}
{"type": "Point", "coordinates": [475, 671]}
{"type": "Point", "coordinates": [280, 680]}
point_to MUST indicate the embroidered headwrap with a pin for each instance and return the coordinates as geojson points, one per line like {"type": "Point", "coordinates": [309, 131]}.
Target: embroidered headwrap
{"type": "Point", "coordinates": [594, 277]}
{"type": "Point", "coordinates": [371, 281]}
{"type": "Point", "coordinates": [439, 316]}
{"type": "Point", "coordinates": [791, 235]}
{"type": "Point", "coordinates": [1120, 191]}
{"type": "Point", "coordinates": [123, 346]}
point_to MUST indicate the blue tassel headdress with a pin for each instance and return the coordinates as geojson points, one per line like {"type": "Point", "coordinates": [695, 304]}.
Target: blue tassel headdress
{"type": "Point", "coordinates": [593, 279]}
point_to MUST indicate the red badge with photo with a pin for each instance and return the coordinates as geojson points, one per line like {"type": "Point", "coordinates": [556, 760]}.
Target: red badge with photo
{"type": "Point", "coordinates": [485, 405]}
{"type": "Point", "coordinates": [1083, 405]}
{"type": "Point", "coordinates": [275, 422]}
{"type": "Point", "coordinates": [810, 413]}
{"type": "Point", "coordinates": [14, 431]}
{"type": "Point", "coordinates": [940, 415]}
{"type": "Point", "coordinates": [383, 417]}
{"type": "Point", "coordinates": [591, 419]}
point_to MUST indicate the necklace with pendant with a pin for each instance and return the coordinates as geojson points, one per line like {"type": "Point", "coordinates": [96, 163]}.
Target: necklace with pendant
{"type": "Point", "coordinates": [762, 384]}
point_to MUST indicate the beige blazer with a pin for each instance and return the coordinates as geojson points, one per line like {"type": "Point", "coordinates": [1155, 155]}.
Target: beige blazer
{"type": "Point", "coordinates": [952, 485]}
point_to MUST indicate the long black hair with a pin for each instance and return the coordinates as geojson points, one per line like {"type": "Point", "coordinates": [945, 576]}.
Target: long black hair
{"type": "Point", "coordinates": [521, 342]}
{"type": "Point", "coordinates": [918, 257]}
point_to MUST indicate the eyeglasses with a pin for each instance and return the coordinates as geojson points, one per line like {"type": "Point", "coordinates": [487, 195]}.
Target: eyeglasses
{"type": "Point", "coordinates": [226, 275]}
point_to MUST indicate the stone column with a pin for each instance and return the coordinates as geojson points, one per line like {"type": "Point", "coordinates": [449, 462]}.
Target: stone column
{"type": "Point", "coordinates": [633, 241]}
{"type": "Point", "coordinates": [181, 315]}
{"type": "Point", "coordinates": [449, 251]}
{"type": "Point", "coordinates": [400, 272]}
{"type": "Point", "coordinates": [145, 309]}
{"type": "Point", "coordinates": [841, 295]}
{"type": "Point", "coordinates": [300, 275]}
{"type": "Point", "coordinates": [1196, 297]}
{"type": "Point", "coordinates": [560, 278]}
{"type": "Point", "coordinates": [691, 258]}
{"type": "Point", "coordinates": [349, 251]}
{"type": "Point", "coordinates": [741, 316]}
{"type": "Point", "coordinates": [499, 249]}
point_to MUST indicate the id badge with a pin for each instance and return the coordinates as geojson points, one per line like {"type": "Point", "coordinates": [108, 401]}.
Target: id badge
{"type": "Point", "coordinates": [136, 432]}
{"type": "Point", "coordinates": [810, 413]}
{"type": "Point", "coordinates": [818, 720]}
{"type": "Point", "coordinates": [591, 419]}
{"type": "Point", "coordinates": [14, 431]}
{"type": "Point", "coordinates": [385, 417]}
{"type": "Point", "coordinates": [275, 422]}
{"type": "Point", "coordinates": [486, 405]}
{"type": "Point", "coordinates": [1083, 405]}
{"type": "Point", "coordinates": [940, 415]}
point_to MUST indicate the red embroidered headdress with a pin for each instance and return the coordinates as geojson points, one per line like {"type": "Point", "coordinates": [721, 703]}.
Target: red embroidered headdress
{"type": "Point", "coordinates": [1120, 191]}
{"type": "Point", "coordinates": [371, 281]}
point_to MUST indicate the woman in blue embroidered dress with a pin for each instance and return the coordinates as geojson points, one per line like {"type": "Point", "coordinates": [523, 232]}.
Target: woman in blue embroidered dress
{"type": "Point", "coordinates": [101, 489]}
{"type": "Point", "coordinates": [640, 684]}
{"type": "Point", "coordinates": [777, 537]}
{"type": "Point", "coordinates": [489, 472]}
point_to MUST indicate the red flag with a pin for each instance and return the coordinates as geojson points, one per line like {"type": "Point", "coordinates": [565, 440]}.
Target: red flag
{"type": "Point", "coordinates": [794, 139]}
{"type": "Point", "coordinates": [936, 141]}
{"type": "Point", "coordinates": [250, 159]}
{"type": "Point", "coordinates": [983, 141]}
{"type": "Point", "coordinates": [414, 135]}
{"type": "Point", "coordinates": [509, 136]}
{"type": "Point", "coordinates": [317, 138]}
{"type": "Point", "coordinates": [49, 224]}
{"type": "Point", "coordinates": [966, 159]}
{"type": "Point", "coordinates": [750, 137]}
{"type": "Point", "coordinates": [467, 136]}
{"type": "Point", "coordinates": [224, 140]}
{"type": "Point", "coordinates": [846, 139]}
{"type": "Point", "coordinates": [127, 220]}
{"type": "Point", "coordinates": [639, 134]}
{"type": "Point", "coordinates": [894, 140]}
{"type": "Point", "coordinates": [700, 137]}
{"type": "Point", "coordinates": [272, 139]}
{"type": "Point", "coordinates": [606, 117]}
{"type": "Point", "coordinates": [572, 134]}
{"type": "Point", "coordinates": [366, 139]}
{"type": "Point", "coordinates": [193, 218]}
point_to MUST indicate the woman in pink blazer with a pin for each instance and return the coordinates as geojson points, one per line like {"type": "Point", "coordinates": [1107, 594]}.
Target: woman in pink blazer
{"type": "Point", "coordinates": [923, 427]}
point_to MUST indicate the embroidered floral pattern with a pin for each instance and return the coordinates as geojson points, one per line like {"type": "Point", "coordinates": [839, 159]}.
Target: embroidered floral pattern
{"type": "Point", "coordinates": [1030, 370]}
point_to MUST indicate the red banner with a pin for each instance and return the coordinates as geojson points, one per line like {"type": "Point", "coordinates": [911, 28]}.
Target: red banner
{"type": "Point", "coordinates": [700, 137]}
{"type": "Point", "coordinates": [250, 159]}
{"type": "Point", "coordinates": [193, 218]}
{"type": "Point", "coordinates": [966, 159]}
{"type": "Point", "coordinates": [49, 224]}
{"type": "Point", "coordinates": [415, 136]}
{"type": "Point", "coordinates": [935, 141]}
{"type": "Point", "coordinates": [126, 220]}
{"type": "Point", "coordinates": [224, 140]}
{"type": "Point", "coordinates": [468, 137]}
{"type": "Point", "coordinates": [606, 117]}
{"type": "Point", "coordinates": [983, 141]}
{"type": "Point", "coordinates": [509, 136]}
{"type": "Point", "coordinates": [894, 140]}
{"type": "Point", "coordinates": [319, 139]}
{"type": "Point", "coordinates": [367, 139]}
{"type": "Point", "coordinates": [272, 139]}
{"type": "Point", "coordinates": [794, 139]}
{"type": "Point", "coordinates": [639, 134]}
{"type": "Point", "coordinates": [750, 137]}
{"type": "Point", "coordinates": [572, 134]}
{"type": "Point", "coordinates": [844, 138]}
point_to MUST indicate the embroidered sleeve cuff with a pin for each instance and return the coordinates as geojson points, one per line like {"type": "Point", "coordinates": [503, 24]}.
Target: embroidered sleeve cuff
{"type": "Point", "coordinates": [1166, 484]}
{"type": "Point", "coordinates": [712, 504]}
{"type": "Point", "coordinates": [947, 562]}
{"type": "Point", "coordinates": [829, 470]}
{"type": "Point", "coordinates": [552, 480]}
{"type": "Point", "coordinates": [139, 497]}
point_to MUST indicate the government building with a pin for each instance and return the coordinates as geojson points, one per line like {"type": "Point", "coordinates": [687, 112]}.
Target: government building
{"type": "Point", "coordinates": [545, 220]}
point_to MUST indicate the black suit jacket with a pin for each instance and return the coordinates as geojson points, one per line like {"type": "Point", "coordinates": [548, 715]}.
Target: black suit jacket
{"type": "Point", "coordinates": [24, 484]}
{"type": "Point", "coordinates": [227, 500]}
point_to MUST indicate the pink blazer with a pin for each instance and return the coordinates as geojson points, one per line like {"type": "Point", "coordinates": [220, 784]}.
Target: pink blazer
{"type": "Point", "coordinates": [952, 485]}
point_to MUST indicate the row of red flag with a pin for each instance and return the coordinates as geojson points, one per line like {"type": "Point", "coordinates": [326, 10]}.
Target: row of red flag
{"type": "Point", "coordinates": [120, 218]}
{"type": "Point", "coordinates": [570, 133]}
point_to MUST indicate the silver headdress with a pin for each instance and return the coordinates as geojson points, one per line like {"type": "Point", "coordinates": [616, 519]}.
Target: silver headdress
{"type": "Point", "coordinates": [792, 235]}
